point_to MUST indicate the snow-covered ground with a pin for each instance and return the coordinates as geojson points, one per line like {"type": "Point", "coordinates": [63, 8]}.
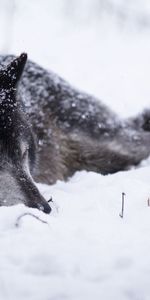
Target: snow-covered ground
{"type": "Point", "coordinates": [84, 250]}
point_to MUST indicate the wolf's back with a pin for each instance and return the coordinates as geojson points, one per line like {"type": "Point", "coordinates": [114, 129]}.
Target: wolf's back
{"type": "Point", "coordinates": [75, 130]}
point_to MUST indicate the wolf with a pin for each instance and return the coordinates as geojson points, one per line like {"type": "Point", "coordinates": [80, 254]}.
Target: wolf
{"type": "Point", "coordinates": [49, 130]}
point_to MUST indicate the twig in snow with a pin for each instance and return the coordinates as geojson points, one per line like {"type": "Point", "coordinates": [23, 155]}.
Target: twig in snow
{"type": "Point", "coordinates": [50, 200]}
{"type": "Point", "coordinates": [122, 209]}
{"type": "Point", "coordinates": [148, 202]}
{"type": "Point", "coordinates": [28, 214]}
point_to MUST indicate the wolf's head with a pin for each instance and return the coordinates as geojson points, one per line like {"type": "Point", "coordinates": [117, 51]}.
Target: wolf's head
{"type": "Point", "coordinates": [17, 145]}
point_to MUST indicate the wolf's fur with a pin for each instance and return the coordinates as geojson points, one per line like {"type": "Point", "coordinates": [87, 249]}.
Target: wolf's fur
{"type": "Point", "coordinates": [17, 145]}
{"type": "Point", "coordinates": [74, 130]}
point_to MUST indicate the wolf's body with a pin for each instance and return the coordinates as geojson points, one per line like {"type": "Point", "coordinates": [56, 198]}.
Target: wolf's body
{"type": "Point", "coordinates": [74, 130]}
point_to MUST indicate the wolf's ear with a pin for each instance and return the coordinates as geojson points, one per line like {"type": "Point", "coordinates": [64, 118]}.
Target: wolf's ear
{"type": "Point", "coordinates": [10, 76]}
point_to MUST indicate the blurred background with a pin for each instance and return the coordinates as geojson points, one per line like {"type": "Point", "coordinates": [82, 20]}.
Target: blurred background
{"type": "Point", "coordinates": [100, 46]}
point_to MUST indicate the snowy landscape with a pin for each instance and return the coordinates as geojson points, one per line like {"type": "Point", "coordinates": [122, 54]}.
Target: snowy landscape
{"type": "Point", "coordinates": [83, 250]}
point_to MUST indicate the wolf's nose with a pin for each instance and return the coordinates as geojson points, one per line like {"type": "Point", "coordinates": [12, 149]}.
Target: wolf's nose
{"type": "Point", "coordinates": [45, 207]}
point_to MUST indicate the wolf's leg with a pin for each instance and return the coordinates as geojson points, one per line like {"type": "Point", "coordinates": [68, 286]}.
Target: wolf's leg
{"type": "Point", "coordinates": [105, 157]}
{"type": "Point", "coordinates": [73, 152]}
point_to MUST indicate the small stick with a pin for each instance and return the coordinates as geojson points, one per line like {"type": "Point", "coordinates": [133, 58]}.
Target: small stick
{"type": "Point", "coordinates": [28, 214]}
{"type": "Point", "coordinates": [50, 200]}
{"type": "Point", "coordinates": [122, 210]}
{"type": "Point", "coordinates": [148, 202]}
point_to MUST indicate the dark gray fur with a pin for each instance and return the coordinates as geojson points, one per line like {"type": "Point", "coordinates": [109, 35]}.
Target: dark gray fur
{"type": "Point", "coordinates": [74, 130]}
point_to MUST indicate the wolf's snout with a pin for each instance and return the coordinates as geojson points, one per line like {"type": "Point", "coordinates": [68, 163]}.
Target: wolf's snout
{"type": "Point", "coordinates": [30, 193]}
{"type": "Point", "coordinates": [45, 207]}
{"type": "Point", "coordinates": [35, 199]}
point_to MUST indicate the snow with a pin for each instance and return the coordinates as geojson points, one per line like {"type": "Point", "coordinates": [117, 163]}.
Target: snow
{"type": "Point", "coordinates": [84, 250]}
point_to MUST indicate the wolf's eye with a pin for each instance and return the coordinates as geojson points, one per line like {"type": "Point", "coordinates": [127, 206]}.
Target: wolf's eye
{"type": "Point", "coordinates": [24, 151]}
{"type": "Point", "coordinates": [24, 154]}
